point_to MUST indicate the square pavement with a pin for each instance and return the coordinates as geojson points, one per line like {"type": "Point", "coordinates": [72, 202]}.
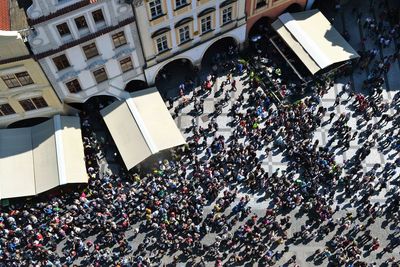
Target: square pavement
{"type": "Point", "coordinates": [275, 160]}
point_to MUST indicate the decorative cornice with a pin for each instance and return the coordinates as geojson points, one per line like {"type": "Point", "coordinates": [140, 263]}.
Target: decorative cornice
{"type": "Point", "coordinates": [93, 65]}
{"type": "Point", "coordinates": [206, 11]}
{"type": "Point", "coordinates": [68, 75]}
{"type": "Point", "coordinates": [135, 3]}
{"type": "Point", "coordinates": [226, 3]}
{"type": "Point", "coordinates": [84, 39]}
{"type": "Point", "coordinates": [183, 21]}
{"type": "Point", "coordinates": [123, 52]}
{"type": "Point", "coordinates": [15, 59]}
{"type": "Point", "coordinates": [160, 31]}
{"type": "Point", "coordinates": [60, 12]}
{"type": "Point", "coordinates": [96, 64]}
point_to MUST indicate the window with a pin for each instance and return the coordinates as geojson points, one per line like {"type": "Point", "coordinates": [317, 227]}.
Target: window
{"type": "Point", "coordinates": [126, 64]}
{"type": "Point", "coordinates": [206, 24]}
{"type": "Point", "coordinates": [61, 62]}
{"type": "Point", "coordinates": [162, 43]}
{"type": "Point", "coordinates": [6, 109]}
{"type": "Point", "coordinates": [90, 50]}
{"type": "Point", "coordinates": [98, 16]}
{"type": "Point", "coordinates": [39, 102]}
{"type": "Point", "coordinates": [227, 15]}
{"type": "Point", "coordinates": [63, 29]}
{"type": "Point", "coordinates": [100, 75]}
{"type": "Point", "coordinates": [155, 8]}
{"type": "Point", "coordinates": [24, 78]}
{"type": "Point", "coordinates": [17, 79]}
{"type": "Point", "coordinates": [73, 86]}
{"type": "Point", "coordinates": [10, 80]}
{"type": "Point", "coordinates": [179, 3]}
{"type": "Point", "coordinates": [33, 103]}
{"type": "Point", "coordinates": [184, 34]}
{"type": "Point", "coordinates": [81, 23]}
{"type": "Point", "coordinates": [261, 3]}
{"type": "Point", "coordinates": [119, 39]}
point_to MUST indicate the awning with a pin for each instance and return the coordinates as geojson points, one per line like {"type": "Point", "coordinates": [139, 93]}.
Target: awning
{"type": "Point", "coordinates": [313, 39]}
{"type": "Point", "coordinates": [36, 159]}
{"type": "Point", "coordinates": [141, 126]}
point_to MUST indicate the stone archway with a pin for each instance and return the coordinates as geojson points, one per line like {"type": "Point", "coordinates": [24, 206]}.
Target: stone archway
{"type": "Point", "coordinates": [259, 34]}
{"type": "Point", "coordinates": [135, 85]}
{"type": "Point", "coordinates": [217, 51]}
{"type": "Point", "coordinates": [261, 27]}
{"type": "Point", "coordinates": [172, 75]}
{"type": "Point", "coordinates": [99, 102]}
{"type": "Point", "coordinates": [94, 103]}
{"type": "Point", "coordinates": [27, 122]}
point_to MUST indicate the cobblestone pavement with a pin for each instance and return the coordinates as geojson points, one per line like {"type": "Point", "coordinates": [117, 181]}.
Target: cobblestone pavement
{"type": "Point", "coordinates": [344, 20]}
{"type": "Point", "coordinates": [304, 251]}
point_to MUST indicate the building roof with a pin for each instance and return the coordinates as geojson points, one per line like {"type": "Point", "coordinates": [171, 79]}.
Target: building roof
{"type": "Point", "coordinates": [12, 15]}
{"type": "Point", "coordinates": [5, 24]}
{"type": "Point", "coordinates": [12, 47]}
{"type": "Point", "coordinates": [141, 126]}
{"type": "Point", "coordinates": [317, 47]}
{"type": "Point", "coordinates": [18, 20]}
{"type": "Point", "coordinates": [36, 159]}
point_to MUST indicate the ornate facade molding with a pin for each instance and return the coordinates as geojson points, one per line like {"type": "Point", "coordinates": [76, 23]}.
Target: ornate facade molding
{"type": "Point", "coordinates": [84, 39]}
{"type": "Point", "coordinates": [59, 12]}
{"type": "Point", "coordinates": [136, 3]}
{"type": "Point", "coordinates": [123, 52]}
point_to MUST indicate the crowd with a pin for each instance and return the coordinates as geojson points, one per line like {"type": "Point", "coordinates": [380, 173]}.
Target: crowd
{"type": "Point", "coordinates": [165, 206]}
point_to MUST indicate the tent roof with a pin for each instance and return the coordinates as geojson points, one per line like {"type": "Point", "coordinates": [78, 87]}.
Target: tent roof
{"type": "Point", "coordinates": [141, 126]}
{"type": "Point", "coordinates": [36, 159]}
{"type": "Point", "coordinates": [313, 39]}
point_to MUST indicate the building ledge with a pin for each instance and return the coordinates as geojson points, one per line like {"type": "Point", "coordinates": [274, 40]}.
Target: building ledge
{"type": "Point", "coordinates": [59, 12]}
{"type": "Point", "coordinates": [84, 39]}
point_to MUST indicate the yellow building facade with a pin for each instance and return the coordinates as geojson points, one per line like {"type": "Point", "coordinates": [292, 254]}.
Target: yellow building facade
{"type": "Point", "coordinates": [25, 91]}
{"type": "Point", "coordinates": [185, 29]}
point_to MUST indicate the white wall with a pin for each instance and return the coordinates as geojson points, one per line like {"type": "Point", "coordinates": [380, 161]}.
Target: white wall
{"type": "Point", "coordinates": [46, 36]}
{"type": "Point", "coordinates": [80, 68]}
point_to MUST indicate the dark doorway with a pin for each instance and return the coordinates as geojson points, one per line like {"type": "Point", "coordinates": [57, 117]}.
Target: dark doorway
{"type": "Point", "coordinates": [261, 27]}
{"type": "Point", "coordinates": [135, 85]}
{"type": "Point", "coordinates": [94, 103]}
{"type": "Point", "coordinates": [27, 122]}
{"type": "Point", "coordinates": [259, 34]}
{"type": "Point", "coordinates": [172, 75]}
{"type": "Point", "coordinates": [218, 52]}
{"type": "Point", "coordinates": [99, 102]}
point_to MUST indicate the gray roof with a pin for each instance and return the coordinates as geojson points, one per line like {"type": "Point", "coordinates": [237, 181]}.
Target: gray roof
{"type": "Point", "coordinates": [17, 14]}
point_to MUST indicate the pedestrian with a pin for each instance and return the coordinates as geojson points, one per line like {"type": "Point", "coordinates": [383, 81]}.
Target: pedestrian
{"type": "Point", "coordinates": [331, 116]}
{"type": "Point", "coordinates": [228, 78]}
{"type": "Point", "coordinates": [337, 101]}
{"type": "Point", "coordinates": [233, 85]}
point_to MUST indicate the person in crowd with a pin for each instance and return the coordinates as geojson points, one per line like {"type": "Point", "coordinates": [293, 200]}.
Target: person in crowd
{"type": "Point", "coordinates": [165, 204]}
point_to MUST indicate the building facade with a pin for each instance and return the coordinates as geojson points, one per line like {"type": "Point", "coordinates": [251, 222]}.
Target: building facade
{"type": "Point", "coordinates": [271, 9]}
{"type": "Point", "coordinates": [185, 29]}
{"type": "Point", "coordinates": [25, 92]}
{"type": "Point", "coordinates": [86, 47]}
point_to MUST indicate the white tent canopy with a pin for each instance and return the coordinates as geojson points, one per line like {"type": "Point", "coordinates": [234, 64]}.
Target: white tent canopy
{"type": "Point", "coordinates": [313, 39]}
{"type": "Point", "coordinates": [36, 159]}
{"type": "Point", "coordinates": [141, 126]}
